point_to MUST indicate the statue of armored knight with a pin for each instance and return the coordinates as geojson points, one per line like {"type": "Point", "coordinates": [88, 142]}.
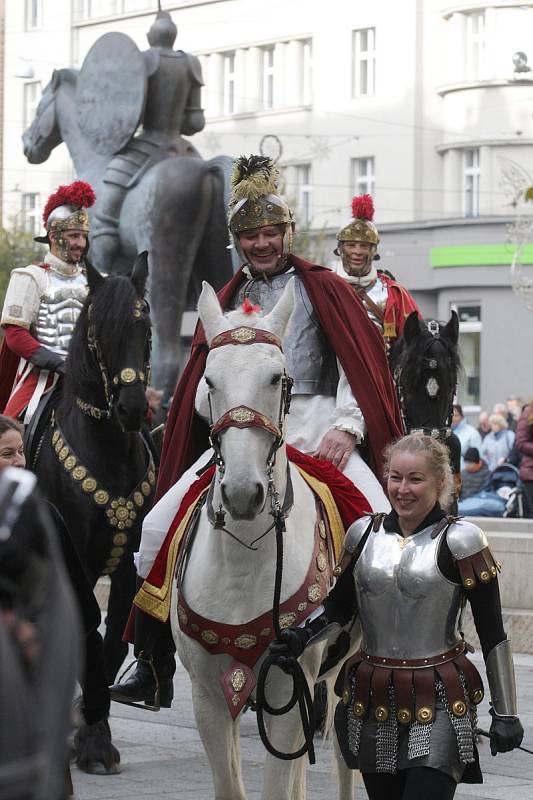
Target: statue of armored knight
{"type": "Point", "coordinates": [43, 302]}
{"type": "Point", "coordinates": [167, 86]}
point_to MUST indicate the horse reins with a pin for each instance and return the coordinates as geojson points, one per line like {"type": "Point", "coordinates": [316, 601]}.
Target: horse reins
{"type": "Point", "coordinates": [245, 417]}
{"type": "Point", "coordinates": [127, 376]}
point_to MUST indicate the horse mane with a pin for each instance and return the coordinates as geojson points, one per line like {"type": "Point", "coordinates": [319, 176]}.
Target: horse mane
{"type": "Point", "coordinates": [408, 358]}
{"type": "Point", "coordinates": [244, 318]}
{"type": "Point", "coordinates": [111, 316]}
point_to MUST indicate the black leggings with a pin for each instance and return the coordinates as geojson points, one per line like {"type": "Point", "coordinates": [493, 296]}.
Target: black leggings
{"type": "Point", "coordinates": [417, 783]}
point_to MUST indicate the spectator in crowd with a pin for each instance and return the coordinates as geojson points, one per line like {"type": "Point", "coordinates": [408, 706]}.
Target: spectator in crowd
{"type": "Point", "coordinates": [483, 426]}
{"type": "Point", "coordinates": [501, 408]}
{"type": "Point", "coordinates": [466, 433]}
{"type": "Point", "coordinates": [498, 443]}
{"type": "Point", "coordinates": [524, 444]}
{"type": "Point", "coordinates": [514, 407]}
{"type": "Point", "coordinates": [474, 474]}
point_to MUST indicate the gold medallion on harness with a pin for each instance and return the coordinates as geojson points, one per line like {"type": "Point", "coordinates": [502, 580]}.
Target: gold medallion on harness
{"type": "Point", "coordinates": [146, 488]}
{"type": "Point", "coordinates": [477, 696]}
{"type": "Point", "coordinates": [321, 562]}
{"type": "Point", "coordinates": [79, 473]}
{"type": "Point", "coordinates": [314, 593]}
{"type": "Point", "coordinates": [138, 498]}
{"type": "Point", "coordinates": [404, 716]}
{"type": "Point", "coordinates": [246, 641]}
{"type": "Point", "coordinates": [237, 679]}
{"type": "Point", "coordinates": [322, 529]}
{"type": "Point", "coordinates": [424, 715]}
{"type": "Point", "coordinates": [358, 709]}
{"type": "Point", "coordinates": [70, 463]}
{"type": "Point", "coordinates": [210, 637]}
{"type": "Point", "coordinates": [117, 552]}
{"type": "Point", "coordinates": [182, 616]}
{"type": "Point", "coordinates": [302, 606]}
{"type": "Point", "coordinates": [151, 477]}
{"type": "Point", "coordinates": [241, 415]}
{"type": "Point", "coordinates": [346, 697]}
{"type": "Point", "coordinates": [59, 444]}
{"type": "Point", "coordinates": [459, 708]}
{"type": "Point", "coordinates": [89, 485]}
{"type": "Point", "coordinates": [286, 620]}
{"type": "Point", "coordinates": [101, 497]}
{"type": "Point", "coordinates": [265, 632]}
{"type": "Point", "coordinates": [55, 437]}
{"type": "Point", "coordinates": [128, 375]}
{"type": "Point", "coordinates": [63, 453]}
{"type": "Point", "coordinates": [119, 539]}
{"type": "Point", "coordinates": [235, 699]}
{"type": "Point", "coordinates": [381, 714]}
{"type": "Point", "coordinates": [243, 335]}
{"type": "Point", "coordinates": [122, 513]}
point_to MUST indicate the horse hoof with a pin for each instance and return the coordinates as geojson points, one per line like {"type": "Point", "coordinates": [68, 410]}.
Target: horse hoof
{"type": "Point", "coordinates": [94, 751]}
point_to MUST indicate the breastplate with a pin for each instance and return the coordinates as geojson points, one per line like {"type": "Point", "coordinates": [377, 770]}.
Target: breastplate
{"type": "Point", "coordinates": [408, 609]}
{"type": "Point", "coordinates": [311, 363]}
{"type": "Point", "coordinates": [60, 307]}
{"type": "Point", "coordinates": [378, 294]}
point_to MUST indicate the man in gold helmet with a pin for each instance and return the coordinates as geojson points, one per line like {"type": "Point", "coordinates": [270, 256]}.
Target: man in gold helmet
{"type": "Point", "coordinates": [387, 302]}
{"type": "Point", "coordinates": [43, 302]}
{"type": "Point", "coordinates": [342, 393]}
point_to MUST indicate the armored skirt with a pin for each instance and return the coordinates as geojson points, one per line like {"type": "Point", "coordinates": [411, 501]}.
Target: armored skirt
{"type": "Point", "coordinates": [409, 695]}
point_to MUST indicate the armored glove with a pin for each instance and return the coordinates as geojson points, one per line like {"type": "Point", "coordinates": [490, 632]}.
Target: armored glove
{"type": "Point", "coordinates": [44, 358]}
{"type": "Point", "coordinates": [506, 733]}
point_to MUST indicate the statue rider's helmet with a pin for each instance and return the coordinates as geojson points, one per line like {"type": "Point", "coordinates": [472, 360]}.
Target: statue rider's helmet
{"type": "Point", "coordinates": [360, 228]}
{"type": "Point", "coordinates": [66, 210]}
{"type": "Point", "coordinates": [163, 31]}
{"type": "Point", "coordinates": [255, 201]}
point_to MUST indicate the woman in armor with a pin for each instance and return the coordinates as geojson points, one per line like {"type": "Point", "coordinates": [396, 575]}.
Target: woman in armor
{"type": "Point", "coordinates": [407, 717]}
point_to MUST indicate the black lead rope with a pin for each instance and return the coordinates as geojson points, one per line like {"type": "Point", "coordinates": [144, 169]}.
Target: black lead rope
{"type": "Point", "coordinates": [289, 665]}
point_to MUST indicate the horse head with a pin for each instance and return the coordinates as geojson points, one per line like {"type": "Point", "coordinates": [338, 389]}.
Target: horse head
{"type": "Point", "coordinates": [248, 393]}
{"type": "Point", "coordinates": [44, 134]}
{"type": "Point", "coordinates": [425, 364]}
{"type": "Point", "coordinates": [109, 354]}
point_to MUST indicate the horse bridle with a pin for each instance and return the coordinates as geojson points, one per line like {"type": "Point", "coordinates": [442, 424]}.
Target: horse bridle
{"type": "Point", "coordinates": [432, 388]}
{"type": "Point", "coordinates": [127, 376]}
{"type": "Point", "coordinates": [245, 417]}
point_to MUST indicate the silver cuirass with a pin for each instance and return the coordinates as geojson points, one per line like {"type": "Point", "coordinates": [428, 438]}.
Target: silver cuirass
{"type": "Point", "coordinates": [408, 609]}
{"type": "Point", "coordinates": [311, 363]}
{"type": "Point", "coordinates": [60, 307]}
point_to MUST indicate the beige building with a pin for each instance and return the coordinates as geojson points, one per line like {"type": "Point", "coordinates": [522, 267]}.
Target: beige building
{"type": "Point", "coordinates": [425, 105]}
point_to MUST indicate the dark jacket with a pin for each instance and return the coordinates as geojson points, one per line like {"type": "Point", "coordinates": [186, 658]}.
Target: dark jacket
{"type": "Point", "coordinates": [524, 442]}
{"type": "Point", "coordinates": [472, 482]}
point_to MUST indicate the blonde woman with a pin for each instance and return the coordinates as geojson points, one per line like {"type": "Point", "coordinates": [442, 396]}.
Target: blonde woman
{"type": "Point", "coordinates": [497, 444]}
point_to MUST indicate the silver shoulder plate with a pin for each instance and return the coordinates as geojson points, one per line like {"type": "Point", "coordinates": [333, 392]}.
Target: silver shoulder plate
{"type": "Point", "coordinates": [355, 532]}
{"type": "Point", "coordinates": [465, 539]}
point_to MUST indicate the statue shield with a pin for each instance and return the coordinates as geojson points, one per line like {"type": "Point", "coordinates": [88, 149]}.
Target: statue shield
{"type": "Point", "coordinates": [111, 92]}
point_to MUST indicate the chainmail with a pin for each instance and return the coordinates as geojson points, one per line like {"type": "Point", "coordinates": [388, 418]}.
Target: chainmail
{"type": "Point", "coordinates": [387, 739]}
{"type": "Point", "coordinates": [419, 737]}
{"type": "Point", "coordinates": [355, 724]}
{"type": "Point", "coordinates": [463, 727]}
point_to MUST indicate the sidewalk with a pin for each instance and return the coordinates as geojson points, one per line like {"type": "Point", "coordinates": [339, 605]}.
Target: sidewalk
{"type": "Point", "coordinates": [163, 757]}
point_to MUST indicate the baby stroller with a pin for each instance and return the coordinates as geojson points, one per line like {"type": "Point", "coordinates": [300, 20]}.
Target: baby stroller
{"type": "Point", "coordinates": [501, 496]}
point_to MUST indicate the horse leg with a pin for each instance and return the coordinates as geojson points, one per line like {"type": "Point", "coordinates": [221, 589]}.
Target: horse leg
{"type": "Point", "coordinates": [220, 737]}
{"type": "Point", "coordinates": [121, 597]}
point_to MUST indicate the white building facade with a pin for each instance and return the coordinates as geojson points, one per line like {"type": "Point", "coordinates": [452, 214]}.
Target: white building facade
{"type": "Point", "coordinates": [426, 106]}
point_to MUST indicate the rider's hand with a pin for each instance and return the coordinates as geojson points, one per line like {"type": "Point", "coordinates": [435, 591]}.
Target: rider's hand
{"type": "Point", "coordinates": [336, 446]}
{"type": "Point", "coordinates": [506, 733]}
{"type": "Point", "coordinates": [293, 641]}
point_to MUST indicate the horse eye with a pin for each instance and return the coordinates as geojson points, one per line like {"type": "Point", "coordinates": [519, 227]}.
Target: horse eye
{"type": "Point", "coordinates": [275, 379]}
{"type": "Point", "coordinates": [209, 383]}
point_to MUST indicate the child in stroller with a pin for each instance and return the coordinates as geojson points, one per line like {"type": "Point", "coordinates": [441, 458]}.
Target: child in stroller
{"type": "Point", "coordinates": [501, 496]}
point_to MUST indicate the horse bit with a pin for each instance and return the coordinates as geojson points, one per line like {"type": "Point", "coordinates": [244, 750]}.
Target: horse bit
{"type": "Point", "coordinates": [127, 376]}
{"type": "Point", "coordinates": [245, 417]}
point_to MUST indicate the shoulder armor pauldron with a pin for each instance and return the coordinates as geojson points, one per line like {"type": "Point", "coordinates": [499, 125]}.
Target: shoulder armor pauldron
{"type": "Point", "coordinates": [470, 548]}
{"type": "Point", "coordinates": [353, 539]}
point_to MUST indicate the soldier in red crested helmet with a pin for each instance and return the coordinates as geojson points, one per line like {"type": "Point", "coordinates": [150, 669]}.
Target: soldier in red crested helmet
{"type": "Point", "coordinates": [387, 302]}
{"type": "Point", "coordinates": [43, 302]}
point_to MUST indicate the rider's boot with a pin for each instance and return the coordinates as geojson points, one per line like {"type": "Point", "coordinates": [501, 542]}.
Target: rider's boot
{"type": "Point", "coordinates": [151, 680]}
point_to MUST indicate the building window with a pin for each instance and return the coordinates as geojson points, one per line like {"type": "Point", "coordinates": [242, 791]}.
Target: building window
{"type": "Point", "coordinates": [469, 390]}
{"type": "Point", "coordinates": [92, 9]}
{"type": "Point", "coordinates": [364, 62]}
{"type": "Point", "coordinates": [471, 178]}
{"type": "Point", "coordinates": [33, 10]}
{"type": "Point", "coordinates": [304, 190]}
{"type": "Point", "coordinates": [269, 76]}
{"type": "Point", "coordinates": [31, 213]}
{"type": "Point", "coordinates": [475, 45]}
{"type": "Point", "coordinates": [363, 179]}
{"type": "Point", "coordinates": [307, 71]}
{"type": "Point", "coordinates": [230, 104]}
{"type": "Point", "coordinates": [32, 93]}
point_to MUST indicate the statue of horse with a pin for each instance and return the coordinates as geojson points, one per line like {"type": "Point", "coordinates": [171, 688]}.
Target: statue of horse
{"type": "Point", "coordinates": [40, 645]}
{"type": "Point", "coordinates": [90, 455]}
{"type": "Point", "coordinates": [176, 212]}
{"type": "Point", "coordinates": [228, 570]}
{"type": "Point", "coordinates": [425, 363]}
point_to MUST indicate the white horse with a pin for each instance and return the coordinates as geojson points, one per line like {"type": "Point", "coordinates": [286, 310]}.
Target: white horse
{"type": "Point", "coordinates": [225, 581]}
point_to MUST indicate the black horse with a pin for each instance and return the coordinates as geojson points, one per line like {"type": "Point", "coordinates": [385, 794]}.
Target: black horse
{"type": "Point", "coordinates": [91, 456]}
{"type": "Point", "coordinates": [425, 363]}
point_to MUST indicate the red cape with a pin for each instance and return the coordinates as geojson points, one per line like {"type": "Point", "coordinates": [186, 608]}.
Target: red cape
{"type": "Point", "coordinates": [357, 343]}
{"type": "Point", "coordinates": [398, 307]}
{"type": "Point", "coordinates": [9, 362]}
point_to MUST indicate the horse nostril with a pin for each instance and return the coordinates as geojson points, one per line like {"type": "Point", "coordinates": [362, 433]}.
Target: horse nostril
{"type": "Point", "coordinates": [259, 495]}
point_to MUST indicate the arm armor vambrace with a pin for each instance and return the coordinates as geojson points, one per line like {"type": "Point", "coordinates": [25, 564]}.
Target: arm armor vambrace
{"type": "Point", "coordinates": [501, 678]}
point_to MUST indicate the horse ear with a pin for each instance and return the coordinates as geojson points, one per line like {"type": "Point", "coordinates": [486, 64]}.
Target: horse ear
{"type": "Point", "coordinates": [139, 273]}
{"type": "Point", "coordinates": [411, 329]}
{"type": "Point", "coordinates": [94, 279]}
{"type": "Point", "coordinates": [451, 329]}
{"type": "Point", "coordinates": [278, 319]}
{"type": "Point", "coordinates": [210, 312]}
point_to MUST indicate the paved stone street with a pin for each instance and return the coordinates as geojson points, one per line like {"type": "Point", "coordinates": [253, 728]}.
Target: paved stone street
{"type": "Point", "coordinates": [163, 758]}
